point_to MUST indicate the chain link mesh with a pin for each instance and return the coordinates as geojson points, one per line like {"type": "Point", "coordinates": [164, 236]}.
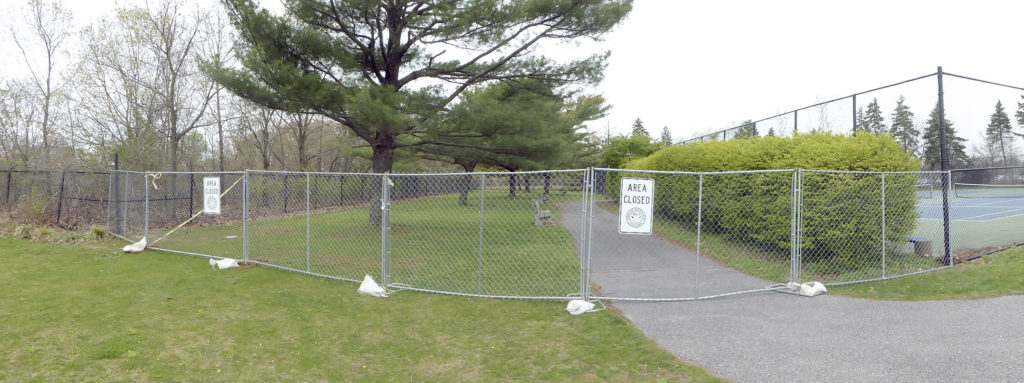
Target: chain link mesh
{"type": "Point", "coordinates": [863, 226]}
{"type": "Point", "coordinates": [486, 234]}
{"type": "Point", "coordinates": [553, 234]}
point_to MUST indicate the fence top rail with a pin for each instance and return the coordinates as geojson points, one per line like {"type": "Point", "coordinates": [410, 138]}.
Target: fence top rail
{"type": "Point", "coordinates": [297, 173]}
{"type": "Point", "coordinates": [921, 172]}
{"type": "Point", "coordinates": [694, 173]}
{"type": "Point", "coordinates": [984, 169]}
{"type": "Point", "coordinates": [98, 172]}
{"type": "Point", "coordinates": [214, 173]}
{"type": "Point", "coordinates": [282, 172]}
{"type": "Point", "coordinates": [529, 172]}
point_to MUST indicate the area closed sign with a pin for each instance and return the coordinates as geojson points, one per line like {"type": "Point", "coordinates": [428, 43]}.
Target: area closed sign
{"type": "Point", "coordinates": [636, 206]}
{"type": "Point", "coordinates": [211, 195]}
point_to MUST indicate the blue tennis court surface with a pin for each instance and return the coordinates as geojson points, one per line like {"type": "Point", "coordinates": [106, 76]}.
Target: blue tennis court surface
{"type": "Point", "coordinates": [972, 209]}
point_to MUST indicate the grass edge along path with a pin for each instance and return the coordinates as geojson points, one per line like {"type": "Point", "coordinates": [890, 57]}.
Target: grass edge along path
{"type": "Point", "coordinates": [994, 275]}
{"type": "Point", "coordinates": [90, 313]}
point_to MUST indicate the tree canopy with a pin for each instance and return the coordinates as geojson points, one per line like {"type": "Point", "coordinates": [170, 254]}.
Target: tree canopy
{"type": "Point", "coordinates": [903, 129]}
{"type": "Point", "coordinates": [954, 144]}
{"type": "Point", "coordinates": [387, 69]}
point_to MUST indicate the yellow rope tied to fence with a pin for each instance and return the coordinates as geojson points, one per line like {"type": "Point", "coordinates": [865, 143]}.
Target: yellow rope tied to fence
{"type": "Point", "coordinates": [222, 194]}
{"type": "Point", "coordinates": [154, 176]}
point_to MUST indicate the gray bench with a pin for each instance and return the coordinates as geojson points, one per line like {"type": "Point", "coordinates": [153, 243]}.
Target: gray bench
{"type": "Point", "coordinates": [540, 217]}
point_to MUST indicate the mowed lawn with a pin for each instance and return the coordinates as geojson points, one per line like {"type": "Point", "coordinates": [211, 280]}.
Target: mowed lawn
{"type": "Point", "coordinates": [89, 313]}
{"type": "Point", "coordinates": [436, 244]}
{"type": "Point", "coordinates": [994, 275]}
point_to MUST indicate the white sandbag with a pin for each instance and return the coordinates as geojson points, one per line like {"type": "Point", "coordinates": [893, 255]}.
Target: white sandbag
{"type": "Point", "coordinates": [812, 289]}
{"type": "Point", "coordinates": [371, 288]}
{"type": "Point", "coordinates": [809, 289]}
{"type": "Point", "coordinates": [136, 247]}
{"type": "Point", "coordinates": [578, 307]}
{"type": "Point", "coordinates": [226, 263]}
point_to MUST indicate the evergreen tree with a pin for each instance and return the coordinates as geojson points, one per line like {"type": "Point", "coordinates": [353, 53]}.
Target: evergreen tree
{"type": "Point", "coordinates": [639, 130]}
{"type": "Point", "coordinates": [747, 129]}
{"type": "Point", "coordinates": [666, 137]}
{"type": "Point", "coordinates": [903, 127]}
{"type": "Point", "coordinates": [954, 144]}
{"type": "Point", "coordinates": [999, 134]}
{"type": "Point", "coordinates": [873, 120]}
{"type": "Point", "coordinates": [771, 132]}
{"type": "Point", "coordinates": [387, 69]}
{"type": "Point", "coordinates": [862, 125]}
{"type": "Point", "coordinates": [1020, 115]}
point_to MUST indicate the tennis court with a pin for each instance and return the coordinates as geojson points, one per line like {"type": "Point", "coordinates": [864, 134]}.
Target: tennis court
{"type": "Point", "coordinates": [981, 215]}
{"type": "Point", "coordinates": [976, 203]}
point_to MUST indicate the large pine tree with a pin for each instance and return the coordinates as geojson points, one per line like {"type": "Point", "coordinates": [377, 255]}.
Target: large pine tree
{"type": "Point", "coordinates": [999, 134]}
{"type": "Point", "coordinates": [1020, 115]}
{"type": "Point", "coordinates": [903, 129]}
{"type": "Point", "coordinates": [873, 120]}
{"type": "Point", "coordinates": [747, 129]}
{"type": "Point", "coordinates": [954, 144]}
{"type": "Point", "coordinates": [666, 137]}
{"type": "Point", "coordinates": [639, 129]}
{"type": "Point", "coordinates": [386, 69]}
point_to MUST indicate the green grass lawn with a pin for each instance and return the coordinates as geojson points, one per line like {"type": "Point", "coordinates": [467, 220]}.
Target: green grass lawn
{"type": "Point", "coordinates": [435, 244]}
{"type": "Point", "coordinates": [89, 313]}
{"type": "Point", "coordinates": [991, 276]}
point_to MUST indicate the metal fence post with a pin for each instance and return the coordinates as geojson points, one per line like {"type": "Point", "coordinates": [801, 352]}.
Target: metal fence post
{"type": "Point", "coordinates": [145, 223]}
{"type": "Point", "coordinates": [7, 198]}
{"type": "Point", "coordinates": [855, 113]}
{"type": "Point", "coordinates": [307, 223]}
{"type": "Point", "coordinates": [796, 226]}
{"type": "Point", "coordinates": [480, 256]}
{"type": "Point", "coordinates": [385, 229]}
{"type": "Point", "coordinates": [117, 195]}
{"type": "Point", "coordinates": [700, 208]}
{"type": "Point", "coordinates": [944, 161]}
{"type": "Point", "coordinates": [245, 215]}
{"type": "Point", "coordinates": [884, 243]}
{"type": "Point", "coordinates": [60, 197]}
{"type": "Point", "coordinates": [588, 227]}
{"type": "Point", "coordinates": [800, 225]}
{"type": "Point", "coordinates": [191, 192]}
{"type": "Point", "coordinates": [583, 237]}
{"type": "Point", "coordinates": [284, 190]}
{"type": "Point", "coordinates": [947, 183]}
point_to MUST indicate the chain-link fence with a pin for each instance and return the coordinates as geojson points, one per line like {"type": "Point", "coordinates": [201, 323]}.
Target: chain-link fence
{"type": "Point", "coordinates": [67, 199]}
{"type": "Point", "coordinates": [724, 233]}
{"type": "Point", "coordinates": [555, 234]}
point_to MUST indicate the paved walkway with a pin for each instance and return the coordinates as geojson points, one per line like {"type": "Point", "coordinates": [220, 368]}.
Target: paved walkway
{"type": "Point", "coordinates": [776, 337]}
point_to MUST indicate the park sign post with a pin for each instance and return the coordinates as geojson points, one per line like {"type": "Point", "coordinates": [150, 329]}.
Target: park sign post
{"type": "Point", "coordinates": [636, 206]}
{"type": "Point", "coordinates": [211, 195]}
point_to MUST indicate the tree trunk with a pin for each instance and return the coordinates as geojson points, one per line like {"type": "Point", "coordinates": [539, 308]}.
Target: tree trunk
{"type": "Point", "coordinates": [467, 183]}
{"type": "Point", "coordinates": [383, 160]}
{"type": "Point", "coordinates": [512, 184]}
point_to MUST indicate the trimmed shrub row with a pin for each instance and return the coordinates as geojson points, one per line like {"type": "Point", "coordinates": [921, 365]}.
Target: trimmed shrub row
{"type": "Point", "coordinates": [842, 212]}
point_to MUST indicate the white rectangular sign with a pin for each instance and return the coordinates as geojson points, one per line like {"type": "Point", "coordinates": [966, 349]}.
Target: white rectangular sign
{"type": "Point", "coordinates": [636, 206]}
{"type": "Point", "coordinates": [211, 195]}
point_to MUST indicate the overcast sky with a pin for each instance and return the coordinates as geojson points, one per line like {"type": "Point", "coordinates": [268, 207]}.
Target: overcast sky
{"type": "Point", "coordinates": [699, 66]}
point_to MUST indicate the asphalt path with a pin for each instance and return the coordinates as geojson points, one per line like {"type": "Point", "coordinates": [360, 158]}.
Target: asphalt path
{"type": "Point", "coordinates": [777, 337]}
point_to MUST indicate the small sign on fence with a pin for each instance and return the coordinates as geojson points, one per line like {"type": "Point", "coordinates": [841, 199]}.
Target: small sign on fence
{"type": "Point", "coordinates": [211, 195]}
{"type": "Point", "coordinates": [636, 206]}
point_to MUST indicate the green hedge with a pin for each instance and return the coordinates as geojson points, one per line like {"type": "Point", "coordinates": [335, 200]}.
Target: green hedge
{"type": "Point", "coordinates": [841, 211]}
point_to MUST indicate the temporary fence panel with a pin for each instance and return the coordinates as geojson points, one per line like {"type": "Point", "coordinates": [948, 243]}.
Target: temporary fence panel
{"type": "Point", "coordinates": [196, 213]}
{"type": "Point", "coordinates": [489, 234]}
{"type": "Point", "coordinates": [713, 234]}
{"type": "Point", "coordinates": [857, 226]}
